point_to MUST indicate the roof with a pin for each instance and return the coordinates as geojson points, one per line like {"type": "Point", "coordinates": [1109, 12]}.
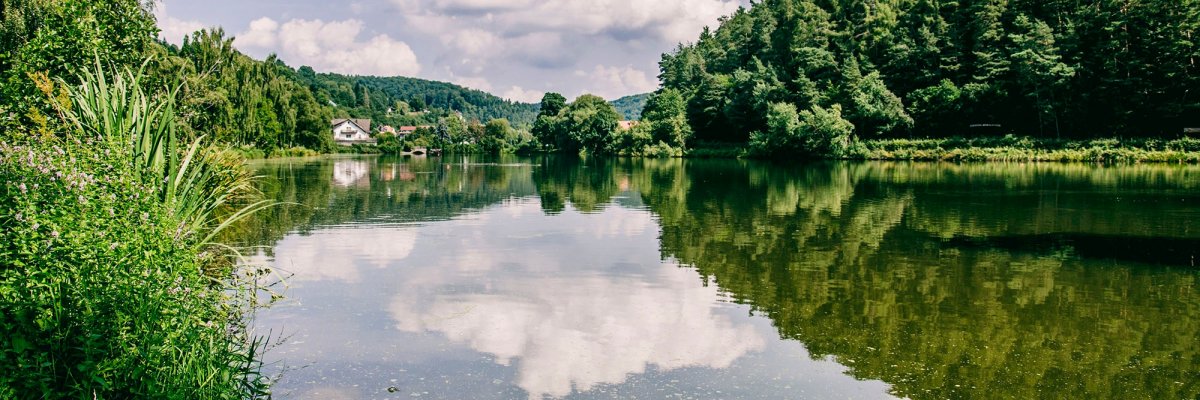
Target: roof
{"type": "Point", "coordinates": [627, 124]}
{"type": "Point", "coordinates": [408, 128]}
{"type": "Point", "coordinates": [364, 124]}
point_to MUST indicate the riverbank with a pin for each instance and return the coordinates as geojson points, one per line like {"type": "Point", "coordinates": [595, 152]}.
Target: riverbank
{"type": "Point", "coordinates": [1004, 149]}
{"type": "Point", "coordinates": [1011, 148]}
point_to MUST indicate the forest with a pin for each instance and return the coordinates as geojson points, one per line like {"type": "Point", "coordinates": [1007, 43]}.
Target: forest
{"type": "Point", "coordinates": [264, 106]}
{"type": "Point", "coordinates": [814, 76]}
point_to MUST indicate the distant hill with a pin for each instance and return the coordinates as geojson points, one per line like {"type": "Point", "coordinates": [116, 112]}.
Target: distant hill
{"type": "Point", "coordinates": [630, 107]}
{"type": "Point", "coordinates": [375, 95]}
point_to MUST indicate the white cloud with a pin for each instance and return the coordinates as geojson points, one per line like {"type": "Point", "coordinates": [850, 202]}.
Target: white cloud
{"type": "Point", "coordinates": [173, 29]}
{"type": "Point", "coordinates": [516, 93]}
{"type": "Point", "coordinates": [670, 20]}
{"type": "Point", "coordinates": [472, 42]}
{"type": "Point", "coordinates": [613, 82]}
{"type": "Point", "coordinates": [341, 254]}
{"type": "Point", "coordinates": [263, 33]}
{"type": "Point", "coordinates": [560, 317]}
{"type": "Point", "coordinates": [472, 82]}
{"type": "Point", "coordinates": [491, 37]}
{"type": "Point", "coordinates": [330, 46]}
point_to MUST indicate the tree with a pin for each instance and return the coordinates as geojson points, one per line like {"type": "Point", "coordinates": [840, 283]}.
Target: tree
{"type": "Point", "coordinates": [937, 108]}
{"type": "Point", "coordinates": [54, 37]}
{"type": "Point", "coordinates": [666, 115]}
{"type": "Point", "coordinates": [589, 122]}
{"type": "Point", "coordinates": [1039, 68]}
{"type": "Point", "coordinates": [498, 137]}
{"type": "Point", "coordinates": [874, 109]}
{"type": "Point", "coordinates": [547, 126]}
{"type": "Point", "coordinates": [819, 131]}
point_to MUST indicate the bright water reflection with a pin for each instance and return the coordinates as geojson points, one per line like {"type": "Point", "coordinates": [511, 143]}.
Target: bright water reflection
{"type": "Point", "coordinates": [465, 279]}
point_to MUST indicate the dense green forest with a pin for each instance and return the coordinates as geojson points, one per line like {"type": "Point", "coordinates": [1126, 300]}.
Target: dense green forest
{"type": "Point", "coordinates": [787, 76]}
{"type": "Point", "coordinates": [372, 97]}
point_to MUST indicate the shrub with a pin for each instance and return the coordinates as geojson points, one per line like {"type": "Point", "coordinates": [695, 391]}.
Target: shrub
{"type": "Point", "coordinates": [99, 298]}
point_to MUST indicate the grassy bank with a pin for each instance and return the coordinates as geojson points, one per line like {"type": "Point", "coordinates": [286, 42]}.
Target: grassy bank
{"type": "Point", "coordinates": [110, 286]}
{"type": "Point", "coordinates": [1010, 148]}
{"type": "Point", "coordinates": [1007, 148]}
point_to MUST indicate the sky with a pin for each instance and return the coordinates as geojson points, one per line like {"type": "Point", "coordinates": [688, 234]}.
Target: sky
{"type": "Point", "coordinates": [516, 49]}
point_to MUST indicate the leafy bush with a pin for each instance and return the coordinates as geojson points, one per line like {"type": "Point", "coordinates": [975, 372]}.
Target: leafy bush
{"type": "Point", "coordinates": [107, 280]}
{"type": "Point", "coordinates": [99, 298]}
{"type": "Point", "coordinates": [1184, 144]}
{"type": "Point", "coordinates": [296, 151]}
{"type": "Point", "coordinates": [818, 132]}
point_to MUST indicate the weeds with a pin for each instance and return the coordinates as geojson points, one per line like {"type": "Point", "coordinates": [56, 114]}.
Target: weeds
{"type": "Point", "coordinates": [106, 285]}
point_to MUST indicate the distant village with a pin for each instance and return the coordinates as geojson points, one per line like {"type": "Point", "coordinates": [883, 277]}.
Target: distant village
{"type": "Point", "coordinates": [350, 131]}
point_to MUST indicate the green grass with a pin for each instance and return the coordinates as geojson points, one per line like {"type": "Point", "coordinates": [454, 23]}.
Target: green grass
{"type": "Point", "coordinates": [1013, 148]}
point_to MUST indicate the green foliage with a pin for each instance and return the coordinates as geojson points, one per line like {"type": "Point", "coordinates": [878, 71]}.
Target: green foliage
{"type": "Point", "coordinates": [1035, 68]}
{"type": "Point", "coordinates": [589, 122]}
{"type": "Point", "coordinates": [666, 118]}
{"type": "Point", "coordinates": [630, 107]}
{"type": "Point", "coordinates": [875, 109]}
{"type": "Point", "coordinates": [53, 37]}
{"type": "Point", "coordinates": [545, 128]}
{"type": "Point", "coordinates": [818, 131]}
{"type": "Point", "coordinates": [1024, 149]}
{"type": "Point", "coordinates": [936, 108]}
{"type": "Point", "coordinates": [100, 300]}
{"type": "Point", "coordinates": [239, 101]}
{"type": "Point", "coordinates": [196, 186]}
{"type": "Point", "coordinates": [498, 137]}
{"type": "Point", "coordinates": [371, 97]}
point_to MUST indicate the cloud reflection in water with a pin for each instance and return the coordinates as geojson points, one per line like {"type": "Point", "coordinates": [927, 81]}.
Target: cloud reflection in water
{"type": "Point", "coordinates": [563, 319]}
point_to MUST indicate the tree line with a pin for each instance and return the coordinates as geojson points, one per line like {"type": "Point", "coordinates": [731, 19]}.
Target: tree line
{"type": "Point", "coordinates": [224, 94]}
{"type": "Point", "coordinates": [788, 76]}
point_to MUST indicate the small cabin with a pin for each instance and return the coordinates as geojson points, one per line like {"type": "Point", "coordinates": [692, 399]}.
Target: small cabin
{"type": "Point", "coordinates": [347, 132]}
{"type": "Point", "coordinates": [406, 130]}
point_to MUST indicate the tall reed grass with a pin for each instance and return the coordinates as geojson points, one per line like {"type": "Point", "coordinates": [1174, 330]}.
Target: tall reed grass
{"type": "Point", "coordinates": [200, 186]}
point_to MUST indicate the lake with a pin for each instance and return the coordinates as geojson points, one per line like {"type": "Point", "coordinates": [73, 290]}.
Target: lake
{"type": "Point", "coordinates": [532, 278]}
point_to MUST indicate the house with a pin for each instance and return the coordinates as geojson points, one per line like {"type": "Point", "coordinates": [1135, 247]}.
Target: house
{"type": "Point", "coordinates": [347, 132]}
{"type": "Point", "coordinates": [388, 129]}
{"type": "Point", "coordinates": [406, 130]}
{"type": "Point", "coordinates": [627, 125]}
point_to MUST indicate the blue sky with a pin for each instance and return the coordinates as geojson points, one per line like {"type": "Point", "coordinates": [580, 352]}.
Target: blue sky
{"type": "Point", "coordinates": [517, 49]}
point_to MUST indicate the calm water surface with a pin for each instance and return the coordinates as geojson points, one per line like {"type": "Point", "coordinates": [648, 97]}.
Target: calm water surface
{"type": "Point", "coordinates": [469, 278]}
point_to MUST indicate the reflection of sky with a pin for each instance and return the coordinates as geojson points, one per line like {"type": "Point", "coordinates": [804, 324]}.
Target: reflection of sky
{"type": "Point", "coordinates": [563, 313]}
{"type": "Point", "coordinates": [571, 305]}
{"type": "Point", "coordinates": [348, 173]}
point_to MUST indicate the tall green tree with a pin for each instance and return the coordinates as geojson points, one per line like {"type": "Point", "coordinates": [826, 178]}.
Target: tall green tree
{"type": "Point", "coordinates": [548, 119]}
{"type": "Point", "coordinates": [589, 122]}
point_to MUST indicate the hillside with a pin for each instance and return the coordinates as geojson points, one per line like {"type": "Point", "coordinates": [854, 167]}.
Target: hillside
{"type": "Point", "coordinates": [630, 107]}
{"type": "Point", "coordinates": [370, 96]}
